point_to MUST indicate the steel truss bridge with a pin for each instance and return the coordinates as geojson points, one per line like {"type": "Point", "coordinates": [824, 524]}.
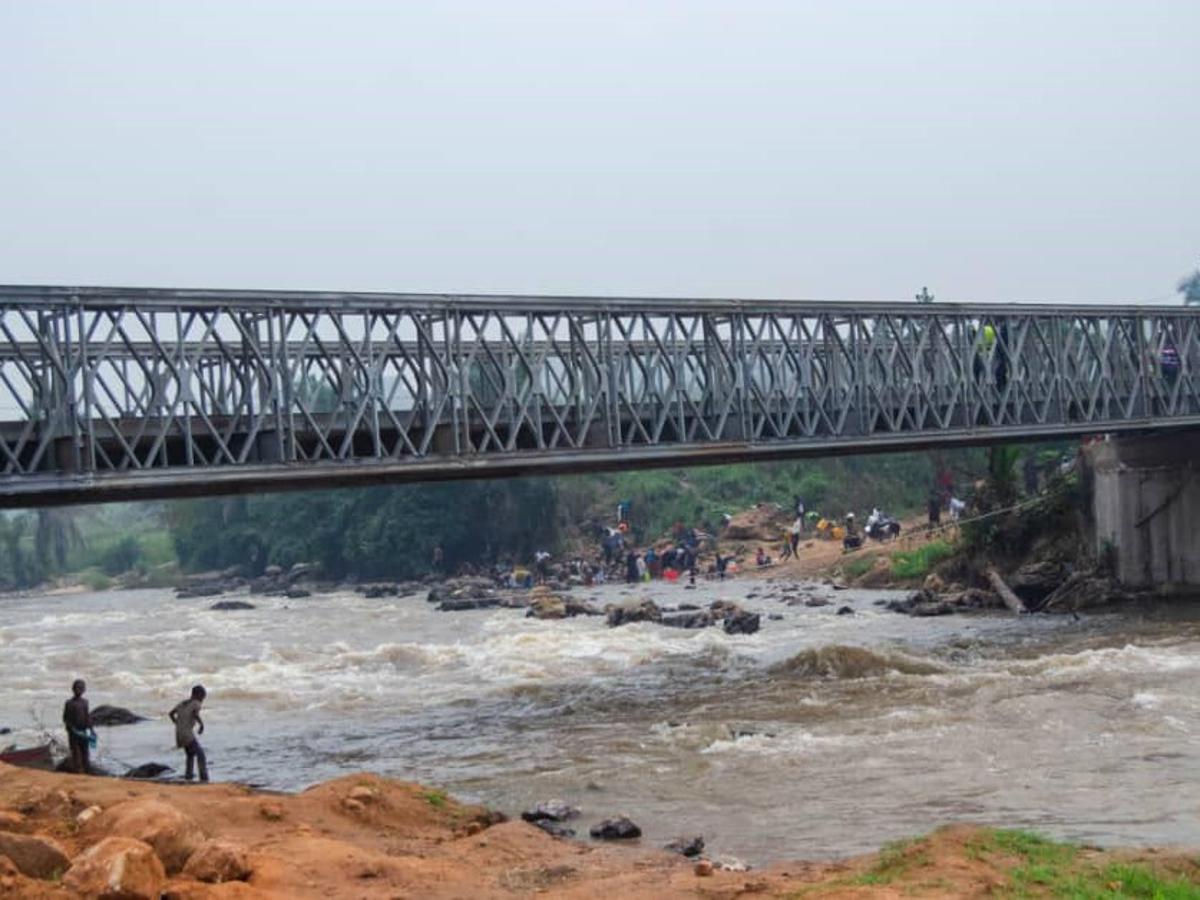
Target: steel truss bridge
{"type": "Point", "coordinates": [110, 393]}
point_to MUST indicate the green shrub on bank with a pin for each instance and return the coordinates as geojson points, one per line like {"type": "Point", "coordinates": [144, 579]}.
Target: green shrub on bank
{"type": "Point", "coordinates": [1050, 868]}
{"type": "Point", "coordinates": [95, 580]}
{"type": "Point", "coordinates": [858, 566]}
{"type": "Point", "coordinates": [920, 562]}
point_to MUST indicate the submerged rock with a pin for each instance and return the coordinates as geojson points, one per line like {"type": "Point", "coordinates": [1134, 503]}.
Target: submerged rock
{"type": "Point", "coordinates": [688, 619]}
{"type": "Point", "coordinates": [845, 611]}
{"type": "Point", "coordinates": [202, 591]}
{"type": "Point", "coordinates": [742, 622]}
{"type": "Point", "coordinates": [645, 611]}
{"type": "Point", "coordinates": [619, 829]}
{"type": "Point", "coordinates": [115, 715]}
{"type": "Point", "coordinates": [232, 604]}
{"type": "Point", "coordinates": [464, 603]}
{"type": "Point", "coordinates": [547, 606]}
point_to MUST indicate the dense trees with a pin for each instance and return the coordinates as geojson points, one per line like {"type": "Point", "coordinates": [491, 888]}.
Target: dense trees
{"type": "Point", "coordinates": [391, 531]}
{"type": "Point", "coordinates": [369, 532]}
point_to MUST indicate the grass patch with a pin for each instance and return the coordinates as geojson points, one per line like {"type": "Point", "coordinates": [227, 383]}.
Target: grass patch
{"type": "Point", "coordinates": [920, 562]}
{"type": "Point", "coordinates": [895, 859]}
{"type": "Point", "coordinates": [1049, 868]}
{"type": "Point", "coordinates": [858, 566]}
{"type": "Point", "coordinates": [435, 798]}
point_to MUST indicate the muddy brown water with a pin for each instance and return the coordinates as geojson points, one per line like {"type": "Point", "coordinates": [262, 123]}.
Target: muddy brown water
{"type": "Point", "coordinates": [822, 735]}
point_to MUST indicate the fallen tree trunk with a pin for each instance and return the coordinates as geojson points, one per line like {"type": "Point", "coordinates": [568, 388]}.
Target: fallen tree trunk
{"type": "Point", "coordinates": [1011, 600]}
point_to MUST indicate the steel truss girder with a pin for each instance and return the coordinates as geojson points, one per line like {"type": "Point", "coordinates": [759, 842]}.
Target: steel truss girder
{"type": "Point", "coordinates": [125, 392]}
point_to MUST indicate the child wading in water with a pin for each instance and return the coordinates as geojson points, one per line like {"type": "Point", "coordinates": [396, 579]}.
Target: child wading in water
{"type": "Point", "coordinates": [186, 717]}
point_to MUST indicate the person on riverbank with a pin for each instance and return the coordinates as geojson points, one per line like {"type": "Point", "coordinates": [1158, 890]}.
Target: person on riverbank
{"type": "Point", "coordinates": [81, 736]}
{"type": "Point", "coordinates": [541, 565]}
{"type": "Point", "coordinates": [188, 724]}
{"type": "Point", "coordinates": [797, 531]}
{"type": "Point", "coordinates": [934, 506]}
{"type": "Point", "coordinates": [631, 568]}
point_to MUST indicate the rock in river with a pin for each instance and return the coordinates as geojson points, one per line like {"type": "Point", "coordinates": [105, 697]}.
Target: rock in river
{"type": "Point", "coordinates": [232, 604]}
{"type": "Point", "coordinates": [463, 603]}
{"type": "Point", "coordinates": [114, 715]}
{"type": "Point", "coordinates": [148, 770]}
{"type": "Point", "coordinates": [741, 622]}
{"type": "Point", "coordinates": [553, 810]}
{"type": "Point", "coordinates": [686, 846]}
{"type": "Point", "coordinates": [646, 611]}
{"type": "Point", "coordinates": [619, 829]}
{"type": "Point", "coordinates": [698, 618]}
{"type": "Point", "coordinates": [555, 829]}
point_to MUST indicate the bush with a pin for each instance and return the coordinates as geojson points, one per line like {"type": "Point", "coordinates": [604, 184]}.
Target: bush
{"type": "Point", "coordinates": [121, 556]}
{"type": "Point", "coordinates": [96, 581]}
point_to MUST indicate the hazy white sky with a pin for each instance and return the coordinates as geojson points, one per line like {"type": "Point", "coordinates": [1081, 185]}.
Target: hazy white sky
{"type": "Point", "coordinates": [842, 150]}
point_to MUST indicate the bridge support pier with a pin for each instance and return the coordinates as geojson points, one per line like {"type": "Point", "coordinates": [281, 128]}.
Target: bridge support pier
{"type": "Point", "coordinates": [1146, 504]}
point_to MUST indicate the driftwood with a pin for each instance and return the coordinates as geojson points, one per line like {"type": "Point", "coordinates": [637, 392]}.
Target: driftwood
{"type": "Point", "coordinates": [1011, 600]}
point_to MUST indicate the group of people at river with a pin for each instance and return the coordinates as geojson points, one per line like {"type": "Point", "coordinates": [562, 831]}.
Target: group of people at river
{"type": "Point", "coordinates": [185, 715]}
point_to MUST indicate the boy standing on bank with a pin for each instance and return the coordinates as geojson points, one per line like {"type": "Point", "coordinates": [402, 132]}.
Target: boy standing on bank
{"type": "Point", "coordinates": [186, 717]}
{"type": "Point", "coordinates": [80, 735]}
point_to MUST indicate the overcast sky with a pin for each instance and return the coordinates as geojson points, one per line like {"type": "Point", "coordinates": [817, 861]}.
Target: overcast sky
{"type": "Point", "coordinates": [841, 150]}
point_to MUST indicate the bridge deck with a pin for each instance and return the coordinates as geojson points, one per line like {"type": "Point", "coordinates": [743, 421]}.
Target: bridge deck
{"type": "Point", "coordinates": [115, 393]}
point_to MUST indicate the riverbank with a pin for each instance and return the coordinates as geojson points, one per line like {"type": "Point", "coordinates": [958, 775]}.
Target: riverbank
{"type": "Point", "coordinates": [364, 836]}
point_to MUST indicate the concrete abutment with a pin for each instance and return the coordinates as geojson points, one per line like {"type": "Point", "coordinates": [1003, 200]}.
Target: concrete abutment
{"type": "Point", "coordinates": [1146, 508]}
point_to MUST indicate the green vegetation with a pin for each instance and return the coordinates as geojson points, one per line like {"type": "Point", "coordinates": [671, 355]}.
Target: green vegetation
{"type": "Point", "coordinates": [390, 532]}
{"type": "Point", "coordinates": [858, 566]}
{"type": "Point", "coordinates": [920, 562]}
{"type": "Point", "coordinates": [1050, 868]}
{"type": "Point", "coordinates": [895, 859]}
{"type": "Point", "coordinates": [435, 798]}
{"type": "Point", "coordinates": [1013, 864]}
{"type": "Point", "coordinates": [898, 482]}
{"type": "Point", "coordinates": [373, 532]}
{"type": "Point", "coordinates": [46, 543]}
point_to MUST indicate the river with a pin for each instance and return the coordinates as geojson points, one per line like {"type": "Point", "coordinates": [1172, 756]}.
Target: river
{"type": "Point", "coordinates": [820, 736]}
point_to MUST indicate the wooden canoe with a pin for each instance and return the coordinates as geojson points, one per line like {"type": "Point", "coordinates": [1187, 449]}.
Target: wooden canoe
{"type": "Point", "coordinates": [29, 757]}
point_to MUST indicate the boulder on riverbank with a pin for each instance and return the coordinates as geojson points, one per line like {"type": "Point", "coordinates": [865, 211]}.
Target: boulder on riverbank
{"type": "Point", "coordinates": [148, 770]}
{"type": "Point", "coordinates": [552, 810]}
{"type": "Point", "coordinates": [35, 856]}
{"type": "Point", "coordinates": [117, 867]}
{"type": "Point", "coordinates": [621, 828]}
{"type": "Point", "coordinates": [926, 602]}
{"type": "Point", "coordinates": [690, 847]}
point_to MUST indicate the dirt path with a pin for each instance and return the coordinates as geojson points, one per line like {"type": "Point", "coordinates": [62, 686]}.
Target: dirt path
{"type": "Point", "coordinates": [825, 558]}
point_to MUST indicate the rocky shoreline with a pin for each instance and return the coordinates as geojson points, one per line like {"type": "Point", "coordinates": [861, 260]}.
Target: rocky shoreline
{"type": "Point", "coordinates": [363, 836]}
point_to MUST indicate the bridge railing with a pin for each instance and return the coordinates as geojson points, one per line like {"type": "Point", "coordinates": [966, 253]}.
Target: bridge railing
{"type": "Point", "coordinates": [117, 384]}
